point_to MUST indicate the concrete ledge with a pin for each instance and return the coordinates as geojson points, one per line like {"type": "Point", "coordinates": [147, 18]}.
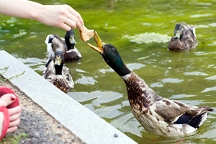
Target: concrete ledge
{"type": "Point", "coordinates": [75, 117]}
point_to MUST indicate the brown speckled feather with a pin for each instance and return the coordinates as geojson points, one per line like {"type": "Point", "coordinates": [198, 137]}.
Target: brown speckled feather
{"type": "Point", "coordinates": [155, 113]}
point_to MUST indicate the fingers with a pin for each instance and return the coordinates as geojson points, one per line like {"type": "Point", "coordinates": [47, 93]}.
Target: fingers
{"type": "Point", "coordinates": [62, 16]}
{"type": "Point", "coordinates": [7, 99]}
{"type": "Point", "coordinates": [72, 22]}
{"type": "Point", "coordinates": [65, 27]}
{"type": "Point", "coordinates": [74, 16]}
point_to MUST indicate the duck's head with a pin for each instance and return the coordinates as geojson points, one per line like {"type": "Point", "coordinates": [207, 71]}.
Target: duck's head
{"type": "Point", "coordinates": [59, 62]}
{"type": "Point", "coordinates": [110, 55]}
{"type": "Point", "coordinates": [48, 42]}
{"type": "Point", "coordinates": [70, 39]}
{"type": "Point", "coordinates": [178, 31]}
{"type": "Point", "coordinates": [49, 39]}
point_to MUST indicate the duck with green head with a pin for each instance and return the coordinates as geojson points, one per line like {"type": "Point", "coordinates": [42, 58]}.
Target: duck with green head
{"type": "Point", "coordinates": [57, 74]}
{"type": "Point", "coordinates": [156, 114]}
{"type": "Point", "coordinates": [71, 53]}
{"type": "Point", "coordinates": [184, 38]}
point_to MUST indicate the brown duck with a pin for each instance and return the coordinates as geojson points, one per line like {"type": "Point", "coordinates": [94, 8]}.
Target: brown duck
{"type": "Point", "coordinates": [184, 38]}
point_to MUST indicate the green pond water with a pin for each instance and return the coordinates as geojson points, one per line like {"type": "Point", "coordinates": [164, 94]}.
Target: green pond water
{"type": "Point", "coordinates": [188, 76]}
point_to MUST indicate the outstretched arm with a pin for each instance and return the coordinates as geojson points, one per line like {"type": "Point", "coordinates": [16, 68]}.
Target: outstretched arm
{"type": "Point", "coordinates": [62, 16]}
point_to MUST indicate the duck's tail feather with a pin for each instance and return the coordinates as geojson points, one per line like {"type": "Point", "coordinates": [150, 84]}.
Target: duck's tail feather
{"type": "Point", "coordinates": [194, 121]}
{"type": "Point", "coordinates": [185, 118]}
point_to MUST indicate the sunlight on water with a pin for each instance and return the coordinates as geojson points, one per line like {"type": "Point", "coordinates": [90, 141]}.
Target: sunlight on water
{"type": "Point", "coordinates": [187, 76]}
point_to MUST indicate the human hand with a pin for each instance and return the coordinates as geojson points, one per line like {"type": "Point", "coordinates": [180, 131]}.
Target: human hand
{"type": "Point", "coordinates": [62, 16]}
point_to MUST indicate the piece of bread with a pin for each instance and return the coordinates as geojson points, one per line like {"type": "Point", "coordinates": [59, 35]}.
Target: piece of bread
{"type": "Point", "coordinates": [86, 34]}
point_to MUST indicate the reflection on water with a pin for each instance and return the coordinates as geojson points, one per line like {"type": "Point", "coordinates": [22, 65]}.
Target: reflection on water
{"type": "Point", "coordinates": [187, 76]}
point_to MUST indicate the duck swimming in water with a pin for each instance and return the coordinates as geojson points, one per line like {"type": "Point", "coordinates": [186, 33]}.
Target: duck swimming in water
{"type": "Point", "coordinates": [156, 114]}
{"type": "Point", "coordinates": [71, 53]}
{"type": "Point", "coordinates": [55, 71]}
{"type": "Point", "coordinates": [184, 38]}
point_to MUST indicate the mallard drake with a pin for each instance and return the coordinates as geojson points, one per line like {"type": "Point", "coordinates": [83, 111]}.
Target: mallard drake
{"type": "Point", "coordinates": [184, 38]}
{"type": "Point", "coordinates": [56, 73]}
{"type": "Point", "coordinates": [71, 53]}
{"type": "Point", "coordinates": [156, 114]}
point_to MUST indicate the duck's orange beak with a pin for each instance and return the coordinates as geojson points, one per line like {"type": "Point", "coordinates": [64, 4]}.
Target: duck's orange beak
{"type": "Point", "coordinates": [99, 43]}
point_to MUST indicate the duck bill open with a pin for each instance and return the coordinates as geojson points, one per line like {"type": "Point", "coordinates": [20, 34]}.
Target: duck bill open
{"type": "Point", "coordinates": [99, 43]}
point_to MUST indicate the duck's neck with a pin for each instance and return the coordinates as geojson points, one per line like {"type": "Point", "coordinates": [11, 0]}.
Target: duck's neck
{"type": "Point", "coordinates": [58, 69]}
{"type": "Point", "coordinates": [139, 94]}
{"type": "Point", "coordinates": [121, 70]}
{"type": "Point", "coordinates": [117, 65]}
{"type": "Point", "coordinates": [69, 45]}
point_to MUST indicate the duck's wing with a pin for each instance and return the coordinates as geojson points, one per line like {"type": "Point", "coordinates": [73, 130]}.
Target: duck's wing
{"type": "Point", "coordinates": [76, 51]}
{"type": "Point", "coordinates": [179, 113]}
{"type": "Point", "coordinates": [67, 77]}
{"type": "Point", "coordinates": [72, 55]}
{"type": "Point", "coordinates": [189, 39]}
{"type": "Point", "coordinates": [58, 44]}
{"type": "Point", "coordinates": [189, 30]}
{"type": "Point", "coordinates": [189, 36]}
{"type": "Point", "coordinates": [49, 71]}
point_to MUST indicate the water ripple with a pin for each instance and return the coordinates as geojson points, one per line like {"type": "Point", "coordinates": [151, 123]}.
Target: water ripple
{"type": "Point", "coordinates": [209, 89]}
{"type": "Point", "coordinates": [213, 24]}
{"type": "Point", "coordinates": [86, 80]}
{"type": "Point", "coordinates": [211, 78]}
{"type": "Point", "coordinates": [200, 15]}
{"type": "Point", "coordinates": [158, 84]}
{"type": "Point", "coordinates": [148, 38]}
{"type": "Point", "coordinates": [109, 111]}
{"type": "Point", "coordinates": [179, 96]}
{"type": "Point", "coordinates": [172, 80]}
{"type": "Point", "coordinates": [126, 122]}
{"type": "Point", "coordinates": [195, 73]}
